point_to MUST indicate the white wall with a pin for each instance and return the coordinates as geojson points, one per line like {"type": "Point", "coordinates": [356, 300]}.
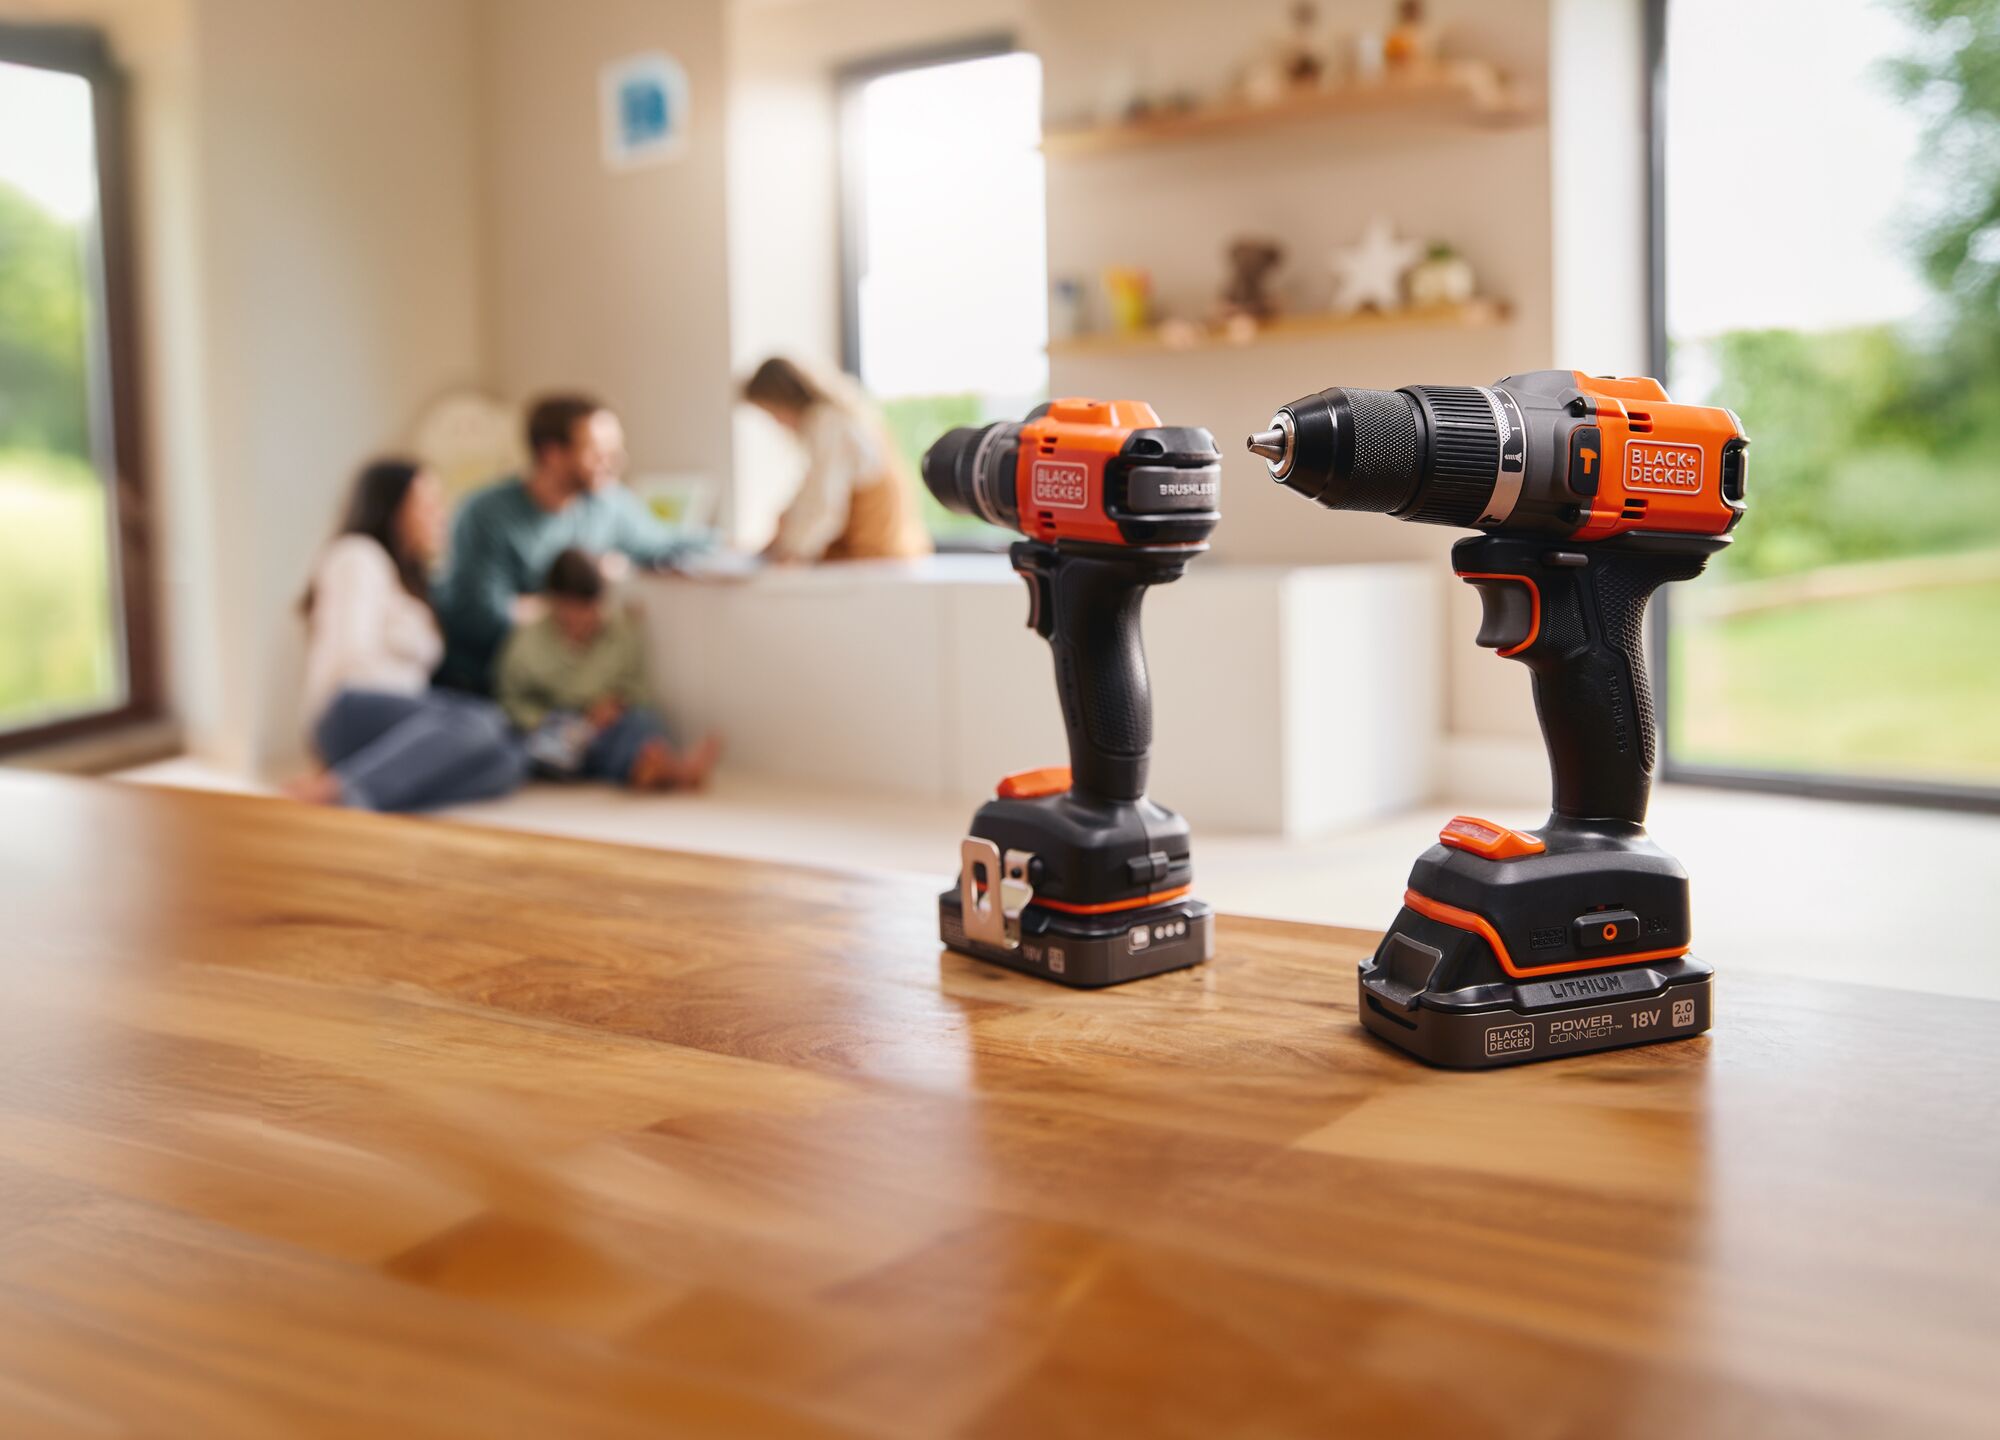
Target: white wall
{"type": "Point", "coordinates": [341, 256]}
{"type": "Point", "coordinates": [614, 282]}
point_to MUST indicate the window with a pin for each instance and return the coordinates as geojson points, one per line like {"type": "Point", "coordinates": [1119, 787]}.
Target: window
{"type": "Point", "coordinates": [945, 245]}
{"type": "Point", "coordinates": [1830, 266]}
{"type": "Point", "coordinates": [73, 648]}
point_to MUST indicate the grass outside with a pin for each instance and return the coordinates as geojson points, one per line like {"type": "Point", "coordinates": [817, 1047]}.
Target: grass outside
{"type": "Point", "coordinates": [1904, 684]}
{"type": "Point", "coordinates": [914, 422]}
{"type": "Point", "coordinates": [57, 644]}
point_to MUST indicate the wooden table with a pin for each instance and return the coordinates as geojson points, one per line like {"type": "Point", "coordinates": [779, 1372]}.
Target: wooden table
{"type": "Point", "coordinates": [312, 1121]}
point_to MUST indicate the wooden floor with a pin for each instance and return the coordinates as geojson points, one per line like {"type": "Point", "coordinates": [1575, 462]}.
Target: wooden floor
{"type": "Point", "coordinates": [330, 1123]}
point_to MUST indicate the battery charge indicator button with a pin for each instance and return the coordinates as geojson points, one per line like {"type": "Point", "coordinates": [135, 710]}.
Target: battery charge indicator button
{"type": "Point", "coordinates": [1602, 928]}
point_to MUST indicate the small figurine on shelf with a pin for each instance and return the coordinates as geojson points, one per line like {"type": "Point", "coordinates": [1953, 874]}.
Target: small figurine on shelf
{"type": "Point", "coordinates": [1412, 46]}
{"type": "Point", "coordinates": [1294, 61]}
{"type": "Point", "coordinates": [1129, 292]}
{"type": "Point", "coordinates": [1252, 262]}
{"type": "Point", "coordinates": [1442, 277]}
{"type": "Point", "coordinates": [1301, 53]}
{"type": "Point", "coordinates": [1368, 275]}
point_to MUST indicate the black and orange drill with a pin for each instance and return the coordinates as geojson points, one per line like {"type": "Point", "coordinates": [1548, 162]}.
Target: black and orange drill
{"type": "Point", "coordinates": [1074, 874]}
{"type": "Point", "coordinates": [1524, 945]}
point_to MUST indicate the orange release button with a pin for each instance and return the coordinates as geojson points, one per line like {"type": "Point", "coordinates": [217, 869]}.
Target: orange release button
{"type": "Point", "coordinates": [1034, 784]}
{"type": "Point", "coordinates": [1483, 837]}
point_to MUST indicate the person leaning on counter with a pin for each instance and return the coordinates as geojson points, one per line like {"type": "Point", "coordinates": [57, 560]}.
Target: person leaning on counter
{"type": "Point", "coordinates": [857, 500]}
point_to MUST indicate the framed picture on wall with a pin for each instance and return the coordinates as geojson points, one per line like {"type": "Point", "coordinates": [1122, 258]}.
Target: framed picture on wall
{"type": "Point", "coordinates": [643, 102]}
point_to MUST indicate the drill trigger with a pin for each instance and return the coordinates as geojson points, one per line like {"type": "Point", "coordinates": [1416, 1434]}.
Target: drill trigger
{"type": "Point", "coordinates": [1510, 611]}
{"type": "Point", "coordinates": [1041, 594]}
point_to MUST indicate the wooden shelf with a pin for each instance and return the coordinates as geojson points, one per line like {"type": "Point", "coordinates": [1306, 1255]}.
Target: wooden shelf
{"type": "Point", "coordinates": [1467, 95]}
{"type": "Point", "coordinates": [1473, 314]}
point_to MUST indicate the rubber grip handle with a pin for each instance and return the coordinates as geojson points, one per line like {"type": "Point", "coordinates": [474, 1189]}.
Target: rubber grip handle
{"type": "Point", "coordinates": [1586, 651]}
{"type": "Point", "coordinates": [1107, 700]}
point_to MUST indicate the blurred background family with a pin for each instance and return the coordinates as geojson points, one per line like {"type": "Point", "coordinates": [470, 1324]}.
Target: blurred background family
{"type": "Point", "coordinates": [453, 658]}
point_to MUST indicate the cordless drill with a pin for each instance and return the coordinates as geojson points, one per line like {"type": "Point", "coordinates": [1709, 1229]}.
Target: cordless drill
{"type": "Point", "coordinates": [1074, 875]}
{"type": "Point", "coordinates": [1524, 945]}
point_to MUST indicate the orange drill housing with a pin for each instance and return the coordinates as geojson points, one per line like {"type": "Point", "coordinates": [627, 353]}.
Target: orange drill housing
{"type": "Point", "coordinates": [1064, 456]}
{"type": "Point", "coordinates": [1661, 466]}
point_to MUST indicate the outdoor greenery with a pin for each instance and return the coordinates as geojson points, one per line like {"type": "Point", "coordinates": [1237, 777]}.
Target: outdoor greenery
{"type": "Point", "coordinates": [44, 404]}
{"type": "Point", "coordinates": [56, 638]}
{"type": "Point", "coordinates": [1850, 458]}
{"type": "Point", "coordinates": [916, 421]}
{"type": "Point", "coordinates": [1885, 440]}
{"type": "Point", "coordinates": [1889, 684]}
{"type": "Point", "coordinates": [1869, 444]}
{"type": "Point", "coordinates": [56, 652]}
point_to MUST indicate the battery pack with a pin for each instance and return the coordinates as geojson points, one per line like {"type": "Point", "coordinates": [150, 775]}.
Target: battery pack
{"type": "Point", "coordinates": [1090, 952]}
{"type": "Point", "coordinates": [1488, 1025]}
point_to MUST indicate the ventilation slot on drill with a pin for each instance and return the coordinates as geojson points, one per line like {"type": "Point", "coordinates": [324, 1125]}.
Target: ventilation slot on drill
{"type": "Point", "coordinates": [1639, 422]}
{"type": "Point", "coordinates": [1634, 510]}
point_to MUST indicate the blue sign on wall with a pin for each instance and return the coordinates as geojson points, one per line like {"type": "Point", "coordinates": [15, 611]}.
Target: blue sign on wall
{"type": "Point", "coordinates": [645, 110]}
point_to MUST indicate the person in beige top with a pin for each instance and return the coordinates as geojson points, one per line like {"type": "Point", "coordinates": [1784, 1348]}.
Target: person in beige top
{"type": "Point", "coordinates": [857, 500]}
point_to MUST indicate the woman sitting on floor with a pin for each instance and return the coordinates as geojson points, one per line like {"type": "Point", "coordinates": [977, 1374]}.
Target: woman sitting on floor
{"type": "Point", "coordinates": [386, 739]}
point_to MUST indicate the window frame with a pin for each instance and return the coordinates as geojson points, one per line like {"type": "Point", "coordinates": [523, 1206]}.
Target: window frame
{"type": "Point", "coordinates": [1941, 795]}
{"type": "Point", "coordinates": [83, 52]}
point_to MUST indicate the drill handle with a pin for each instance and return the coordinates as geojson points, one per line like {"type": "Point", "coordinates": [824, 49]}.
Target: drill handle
{"type": "Point", "coordinates": [1087, 607]}
{"type": "Point", "coordinates": [1574, 615]}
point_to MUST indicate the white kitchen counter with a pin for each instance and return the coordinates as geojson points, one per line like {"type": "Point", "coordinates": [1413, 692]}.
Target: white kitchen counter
{"type": "Point", "coordinates": [1287, 699]}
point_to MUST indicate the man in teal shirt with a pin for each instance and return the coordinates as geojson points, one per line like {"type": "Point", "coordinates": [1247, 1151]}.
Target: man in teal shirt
{"type": "Point", "coordinates": [507, 535]}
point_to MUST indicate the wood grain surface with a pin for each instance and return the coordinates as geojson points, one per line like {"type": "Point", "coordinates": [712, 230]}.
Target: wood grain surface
{"type": "Point", "coordinates": [314, 1122]}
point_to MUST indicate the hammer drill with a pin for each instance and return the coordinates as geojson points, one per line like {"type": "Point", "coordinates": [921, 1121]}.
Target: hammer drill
{"type": "Point", "coordinates": [1073, 874]}
{"type": "Point", "coordinates": [1524, 945]}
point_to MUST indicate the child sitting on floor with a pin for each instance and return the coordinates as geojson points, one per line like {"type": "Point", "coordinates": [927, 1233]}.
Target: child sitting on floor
{"type": "Point", "coordinates": [574, 682]}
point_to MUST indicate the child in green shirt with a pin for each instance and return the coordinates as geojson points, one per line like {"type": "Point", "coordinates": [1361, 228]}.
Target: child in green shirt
{"type": "Point", "coordinates": [574, 682]}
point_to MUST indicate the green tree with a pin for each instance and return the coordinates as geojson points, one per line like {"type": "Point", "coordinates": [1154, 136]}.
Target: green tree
{"type": "Point", "coordinates": [1952, 75]}
{"type": "Point", "coordinates": [44, 397]}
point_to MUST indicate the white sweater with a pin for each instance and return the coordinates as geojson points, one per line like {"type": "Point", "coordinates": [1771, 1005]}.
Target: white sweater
{"type": "Point", "coordinates": [366, 631]}
{"type": "Point", "coordinates": [841, 456]}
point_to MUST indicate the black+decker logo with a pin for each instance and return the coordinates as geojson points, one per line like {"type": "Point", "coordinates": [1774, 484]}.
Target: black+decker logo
{"type": "Point", "coordinates": [1059, 485]}
{"type": "Point", "coordinates": [1663, 465]}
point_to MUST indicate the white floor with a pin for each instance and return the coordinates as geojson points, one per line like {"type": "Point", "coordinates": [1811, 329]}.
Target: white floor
{"type": "Point", "coordinates": [1871, 894]}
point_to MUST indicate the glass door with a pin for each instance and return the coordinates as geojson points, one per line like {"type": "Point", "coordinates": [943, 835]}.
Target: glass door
{"type": "Point", "coordinates": [1831, 265]}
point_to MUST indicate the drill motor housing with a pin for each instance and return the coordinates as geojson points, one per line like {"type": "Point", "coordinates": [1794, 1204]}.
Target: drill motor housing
{"type": "Point", "coordinates": [1074, 874]}
{"type": "Point", "coordinates": [1525, 945]}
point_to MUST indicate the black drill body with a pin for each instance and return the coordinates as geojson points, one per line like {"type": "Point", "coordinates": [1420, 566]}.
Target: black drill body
{"type": "Point", "coordinates": [1076, 875]}
{"type": "Point", "coordinates": [1525, 945]}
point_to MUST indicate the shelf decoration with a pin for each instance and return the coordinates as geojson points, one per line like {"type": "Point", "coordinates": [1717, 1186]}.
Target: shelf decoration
{"type": "Point", "coordinates": [1252, 263]}
{"type": "Point", "coordinates": [1128, 291]}
{"type": "Point", "coordinates": [1368, 275]}
{"type": "Point", "coordinates": [1303, 73]}
{"type": "Point", "coordinates": [1179, 335]}
{"type": "Point", "coordinates": [1442, 277]}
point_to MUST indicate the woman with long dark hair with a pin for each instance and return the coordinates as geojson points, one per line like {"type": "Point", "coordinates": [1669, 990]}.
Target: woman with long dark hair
{"type": "Point", "coordinates": [387, 740]}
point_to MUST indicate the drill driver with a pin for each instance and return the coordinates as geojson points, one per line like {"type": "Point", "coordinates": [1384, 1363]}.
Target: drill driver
{"type": "Point", "coordinates": [1524, 945]}
{"type": "Point", "coordinates": [1074, 875]}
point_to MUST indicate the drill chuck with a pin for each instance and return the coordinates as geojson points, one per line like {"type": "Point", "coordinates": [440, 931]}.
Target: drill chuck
{"type": "Point", "coordinates": [1428, 452]}
{"type": "Point", "coordinates": [971, 472]}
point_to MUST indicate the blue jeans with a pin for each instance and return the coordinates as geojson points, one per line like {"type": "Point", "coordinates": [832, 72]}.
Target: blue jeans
{"type": "Point", "coordinates": [414, 752]}
{"type": "Point", "coordinates": [615, 751]}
